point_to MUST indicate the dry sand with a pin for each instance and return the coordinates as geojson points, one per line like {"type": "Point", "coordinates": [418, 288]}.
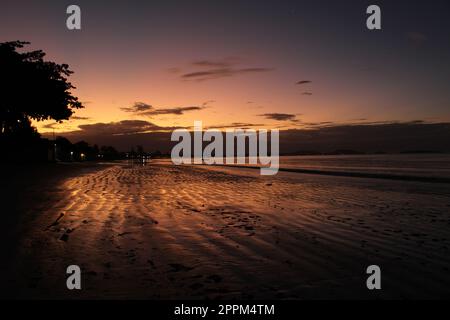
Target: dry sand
{"type": "Point", "coordinates": [167, 232]}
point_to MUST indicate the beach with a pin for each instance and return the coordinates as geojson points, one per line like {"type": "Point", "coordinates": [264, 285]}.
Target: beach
{"type": "Point", "coordinates": [203, 232]}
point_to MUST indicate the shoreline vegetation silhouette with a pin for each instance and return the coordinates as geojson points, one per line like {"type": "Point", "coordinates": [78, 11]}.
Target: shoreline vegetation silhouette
{"type": "Point", "coordinates": [37, 89]}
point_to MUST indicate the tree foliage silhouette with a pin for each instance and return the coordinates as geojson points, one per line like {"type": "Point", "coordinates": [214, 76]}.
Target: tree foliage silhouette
{"type": "Point", "coordinates": [32, 88]}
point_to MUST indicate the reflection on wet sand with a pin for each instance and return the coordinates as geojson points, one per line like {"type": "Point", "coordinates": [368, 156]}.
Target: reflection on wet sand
{"type": "Point", "coordinates": [161, 231]}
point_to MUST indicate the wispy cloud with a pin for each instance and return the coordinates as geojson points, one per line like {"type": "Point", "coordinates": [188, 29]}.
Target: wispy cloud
{"type": "Point", "coordinates": [316, 125]}
{"type": "Point", "coordinates": [138, 107]}
{"type": "Point", "coordinates": [214, 69]}
{"type": "Point", "coordinates": [356, 122]}
{"type": "Point", "coordinates": [79, 118]}
{"type": "Point", "coordinates": [239, 125]}
{"type": "Point", "coordinates": [221, 73]}
{"type": "Point", "coordinates": [301, 82]}
{"type": "Point", "coordinates": [145, 109]}
{"type": "Point", "coordinates": [173, 111]}
{"type": "Point", "coordinates": [208, 103]}
{"type": "Point", "coordinates": [279, 116]}
{"type": "Point", "coordinates": [50, 125]}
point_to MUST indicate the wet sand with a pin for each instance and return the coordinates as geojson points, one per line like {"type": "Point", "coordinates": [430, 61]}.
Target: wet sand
{"type": "Point", "coordinates": [167, 232]}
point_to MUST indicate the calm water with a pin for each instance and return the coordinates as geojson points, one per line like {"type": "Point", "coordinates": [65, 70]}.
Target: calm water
{"type": "Point", "coordinates": [422, 165]}
{"type": "Point", "coordinates": [427, 165]}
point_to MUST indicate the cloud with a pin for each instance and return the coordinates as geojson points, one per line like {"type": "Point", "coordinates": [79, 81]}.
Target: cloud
{"type": "Point", "coordinates": [315, 125]}
{"type": "Point", "coordinates": [208, 103]}
{"type": "Point", "coordinates": [253, 70]}
{"type": "Point", "coordinates": [50, 125]}
{"type": "Point", "coordinates": [214, 69]}
{"type": "Point", "coordinates": [279, 116]}
{"type": "Point", "coordinates": [79, 118]}
{"type": "Point", "coordinates": [359, 119]}
{"type": "Point", "coordinates": [303, 82]}
{"type": "Point", "coordinates": [144, 109]}
{"type": "Point", "coordinates": [174, 111]}
{"type": "Point", "coordinates": [239, 125]}
{"type": "Point", "coordinates": [252, 104]}
{"type": "Point", "coordinates": [54, 125]}
{"type": "Point", "coordinates": [388, 137]}
{"type": "Point", "coordinates": [221, 73]}
{"type": "Point", "coordinates": [123, 127]}
{"type": "Point", "coordinates": [359, 122]}
{"type": "Point", "coordinates": [307, 93]}
{"type": "Point", "coordinates": [138, 107]}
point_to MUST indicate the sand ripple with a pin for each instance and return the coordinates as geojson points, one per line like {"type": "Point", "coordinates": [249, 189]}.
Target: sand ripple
{"type": "Point", "coordinates": [162, 231]}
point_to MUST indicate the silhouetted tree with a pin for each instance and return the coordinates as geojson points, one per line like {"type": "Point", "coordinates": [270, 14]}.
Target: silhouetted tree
{"type": "Point", "coordinates": [139, 150]}
{"type": "Point", "coordinates": [109, 153]}
{"type": "Point", "coordinates": [96, 149]}
{"type": "Point", "coordinates": [63, 149]}
{"type": "Point", "coordinates": [32, 88]}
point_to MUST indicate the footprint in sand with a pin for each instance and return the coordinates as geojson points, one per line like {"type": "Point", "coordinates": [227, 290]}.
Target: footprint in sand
{"type": "Point", "coordinates": [65, 236]}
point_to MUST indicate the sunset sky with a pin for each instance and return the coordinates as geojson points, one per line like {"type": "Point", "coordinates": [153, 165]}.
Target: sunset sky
{"type": "Point", "coordinates": [274, 64]}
